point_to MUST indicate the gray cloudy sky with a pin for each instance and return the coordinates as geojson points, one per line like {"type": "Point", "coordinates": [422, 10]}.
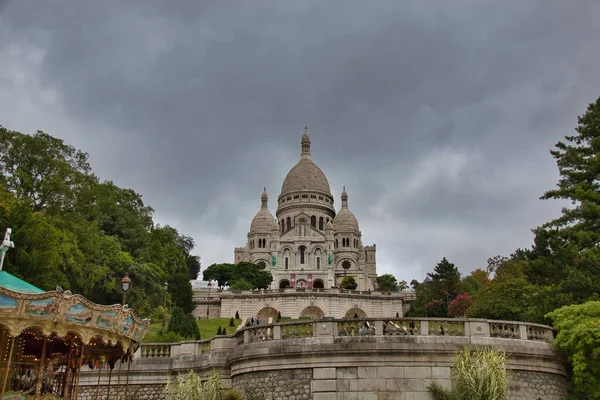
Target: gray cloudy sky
{"type": "Point", "coordinates": [436, 115]}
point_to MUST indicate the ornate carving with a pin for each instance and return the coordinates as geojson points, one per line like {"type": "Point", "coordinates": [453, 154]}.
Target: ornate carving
{"type": "Point", "coordinates": [62, 313]}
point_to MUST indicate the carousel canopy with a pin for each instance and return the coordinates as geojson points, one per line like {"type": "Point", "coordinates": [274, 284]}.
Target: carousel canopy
{"type": "Point", "coordinates": [15, 284]}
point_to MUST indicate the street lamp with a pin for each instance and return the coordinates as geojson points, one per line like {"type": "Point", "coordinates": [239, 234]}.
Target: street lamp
{"type": "Point", "coordinates": [125, 286]}
{"type": "Point", "coordinates": [166, 286]}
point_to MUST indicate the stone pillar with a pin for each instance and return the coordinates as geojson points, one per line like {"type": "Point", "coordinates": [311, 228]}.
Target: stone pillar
{"type": "Point", "coordinates": [424, 328]}
{"type": "Point", "coordinates": [522, 332]}
{"type": "Point", "coordinates": [276, 332]}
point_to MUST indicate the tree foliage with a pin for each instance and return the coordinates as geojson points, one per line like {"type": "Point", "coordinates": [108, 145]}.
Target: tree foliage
{"type": "Point", "coordinates": [184, 325]}
{"type": "Point", "coordinates": [578, 337]}
{"type": "Point", "coordinates": [387, 282]}
{"type": "Point", "coordinates": [459, 306]}
{"type": "Point", "coordinates": [71, 229]}
{"type": "Point", "coordinates": [437, 291]}
{"type": "Point", "coordinates": [230, 273]}
{"type": "Point", "coordinates": [349, 283]}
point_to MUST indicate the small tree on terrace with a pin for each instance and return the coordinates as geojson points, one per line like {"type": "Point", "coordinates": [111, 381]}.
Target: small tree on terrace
{"type": "Point", "coordinates": [348, 283]}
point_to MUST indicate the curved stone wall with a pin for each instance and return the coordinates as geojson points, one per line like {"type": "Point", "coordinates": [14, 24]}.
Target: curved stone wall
{"type": "Point", "coordinates": [356, 359]}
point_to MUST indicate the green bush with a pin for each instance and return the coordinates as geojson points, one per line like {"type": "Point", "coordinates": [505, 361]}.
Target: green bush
{"type": "Point", "coordinates": [219, 331]}
{"type": "Point", "coordinates": [184, 325]}
{"type": "Point", "coordinates": [191, 387]}
{"type": "Point", "coordinates": [237, 315]}
{"type": "Point", "coordinates": [231, 322]}
{"type": "Point", "coordinates": [479, 375]}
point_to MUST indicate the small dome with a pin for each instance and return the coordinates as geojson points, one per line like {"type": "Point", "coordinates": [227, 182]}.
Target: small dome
{"type": "Point", "coordinates": [345, 221]}
{"type": "Point", "coordinates": [329, 226]}
{"type": "Point", "coordinates": [263, 222]}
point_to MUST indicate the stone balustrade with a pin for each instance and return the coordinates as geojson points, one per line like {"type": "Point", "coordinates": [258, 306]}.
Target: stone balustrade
{"type": "Point", "coordinates": [362, 358]}
{"type": "Point", "coordinates": [357, 327]}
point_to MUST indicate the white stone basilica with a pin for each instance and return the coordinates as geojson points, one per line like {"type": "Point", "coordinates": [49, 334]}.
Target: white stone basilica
{"type": "Point", "coordinates": [308, 244]}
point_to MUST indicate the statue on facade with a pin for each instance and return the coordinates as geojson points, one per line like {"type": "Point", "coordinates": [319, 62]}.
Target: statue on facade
{"type": "Point", "coordinates": [273, 260]}
{"type": "Point", "coordinates": [6, 244]}
{"type": "Point", "coordinates": [329, 258]}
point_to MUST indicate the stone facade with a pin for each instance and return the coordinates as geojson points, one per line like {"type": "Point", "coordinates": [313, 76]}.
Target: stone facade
{"type": "Point", "coordinates": [276, 385]}
{"type": "Point", "coordinates": [308, 244]}
{"type": "Point", "coordinates": [296, 303]}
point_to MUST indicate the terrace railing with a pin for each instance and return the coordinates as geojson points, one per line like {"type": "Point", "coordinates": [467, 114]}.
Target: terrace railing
{"type": "Point", "coordinates": [354, 327]}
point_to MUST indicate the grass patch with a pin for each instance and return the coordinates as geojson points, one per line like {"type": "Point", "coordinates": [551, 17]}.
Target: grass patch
{"type": "Point", "coordinates": [208, 327]}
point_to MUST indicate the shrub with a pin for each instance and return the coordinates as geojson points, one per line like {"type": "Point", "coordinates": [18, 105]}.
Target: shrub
{"type": "Point", "coordinates": [231, 322]}
{"type": "Point", "coordinates": [481, 375]}
{"type": "Point", "coordinates": [278, 316]}
{"type": "Point", "coordinates": [191, 387]}
{"type": "Point", "coordinates": [219, 331]}
{"type": "Point", "coordinates": [237, 315]}
{"type": "Point", "coordinates": [184, 325]}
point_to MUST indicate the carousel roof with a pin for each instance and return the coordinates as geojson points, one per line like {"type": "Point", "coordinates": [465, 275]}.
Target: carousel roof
{"type": "Point", "coordinates": [15, 284]}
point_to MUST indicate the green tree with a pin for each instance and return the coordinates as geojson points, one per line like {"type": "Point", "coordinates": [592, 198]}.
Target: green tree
{"type": "Point", "coordinates": [229, 273]}
{"type": "Point", "coordinates": [508, 297]}
{"type": "Point", "coordinates": [349, 283]}
{"type": "Point", "coordinates": [475, 282]}
{"type": "Point", "coordinates": [240, 284]}
{"type": "Point", "coordinates": [387, 282]}
{"type": "Point", "coordinates": [180, 291]}
{"type": "Point", "coordinates": [183, 324]}
{"type": "Point", "coordinates": [43, 171]}
{"type": "Point", "coordinates": [578, 338]}
{"type": "Point", "coordinates": [437, 291]}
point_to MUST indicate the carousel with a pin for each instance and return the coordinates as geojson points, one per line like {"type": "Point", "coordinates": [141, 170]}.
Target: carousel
{"type": "Point", "coordinates": [46, 338]}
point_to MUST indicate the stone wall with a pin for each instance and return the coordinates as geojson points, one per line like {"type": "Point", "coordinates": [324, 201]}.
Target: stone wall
{"type": "Point", "coordinates": [287, 384]}
{"type": "Point", "coordinates": [527, 385]}
{"type": "Point", "coordinates": [327, 360]}
{"type": "Point", "coordinates": [137, 392]}
{"type": "Point", "coordinates": [292, 302]}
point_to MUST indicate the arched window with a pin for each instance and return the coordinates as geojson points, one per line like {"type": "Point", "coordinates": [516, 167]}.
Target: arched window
{"type": "Point", "coordinates": [289, 223]}
{"type": "Point", "coordinates": [313, 221]}
{"type": "Point", "coordinates": [336, 244]}
{"type": "Point", "coordinates": [320, 223]}
{"type": "Point", "coordinates": [302, 251]}
{"type": "Point", "coordinates": [282, 226]}
{"type": "Point", "coordinates": [318, 262]}
{"type": "Point", "coordinates": [286, 263]}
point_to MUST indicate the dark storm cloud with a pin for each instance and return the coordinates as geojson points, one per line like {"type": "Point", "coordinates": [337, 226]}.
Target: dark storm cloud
{"type": "Point", "coordinates": [437, 116]}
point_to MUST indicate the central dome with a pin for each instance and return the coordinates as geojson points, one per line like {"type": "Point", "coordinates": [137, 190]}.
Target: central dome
{"type": "Point", "coordinates": [305, 175]}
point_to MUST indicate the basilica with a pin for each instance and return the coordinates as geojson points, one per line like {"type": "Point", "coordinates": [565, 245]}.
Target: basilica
{"type": "Point", "coordinates": [308, 244]}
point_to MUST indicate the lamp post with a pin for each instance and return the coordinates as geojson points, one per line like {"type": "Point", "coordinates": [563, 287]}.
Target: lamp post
{"type": "Point", "coordinates": [166, 286]}
{"type": "Point", "coordinates": [125, 286]}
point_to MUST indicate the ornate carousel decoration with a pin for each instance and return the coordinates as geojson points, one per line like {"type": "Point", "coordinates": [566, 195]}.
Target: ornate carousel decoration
{"type": "Point", "coordinates": [46, 337]}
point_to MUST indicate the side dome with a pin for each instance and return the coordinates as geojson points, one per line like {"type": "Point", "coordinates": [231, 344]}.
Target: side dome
{"type": "Point", "coordinates": [305, 175]}
{"type": "Point", "coordinates": [345, 221]}
{"type": "Point", "coordinates": [263, 221]}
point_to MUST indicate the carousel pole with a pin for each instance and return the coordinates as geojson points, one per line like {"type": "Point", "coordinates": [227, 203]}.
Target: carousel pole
{"type": "Point", "coordinates": [10, 353]}
{"type": "Point", "coordinates": [66, 386]}
{"type": "Point", "coordinates": [128, 367]}
{"type": "Point", "coordinates": [119, 378]}
{"type": "Point", "coordinates": [78, 371]}
{"type": "Point", "coordinates": [98, 383]}
{"type": "Point", "coordinates": [109, 376]}
{"type": "Point", "coordinates": [40, 377]}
